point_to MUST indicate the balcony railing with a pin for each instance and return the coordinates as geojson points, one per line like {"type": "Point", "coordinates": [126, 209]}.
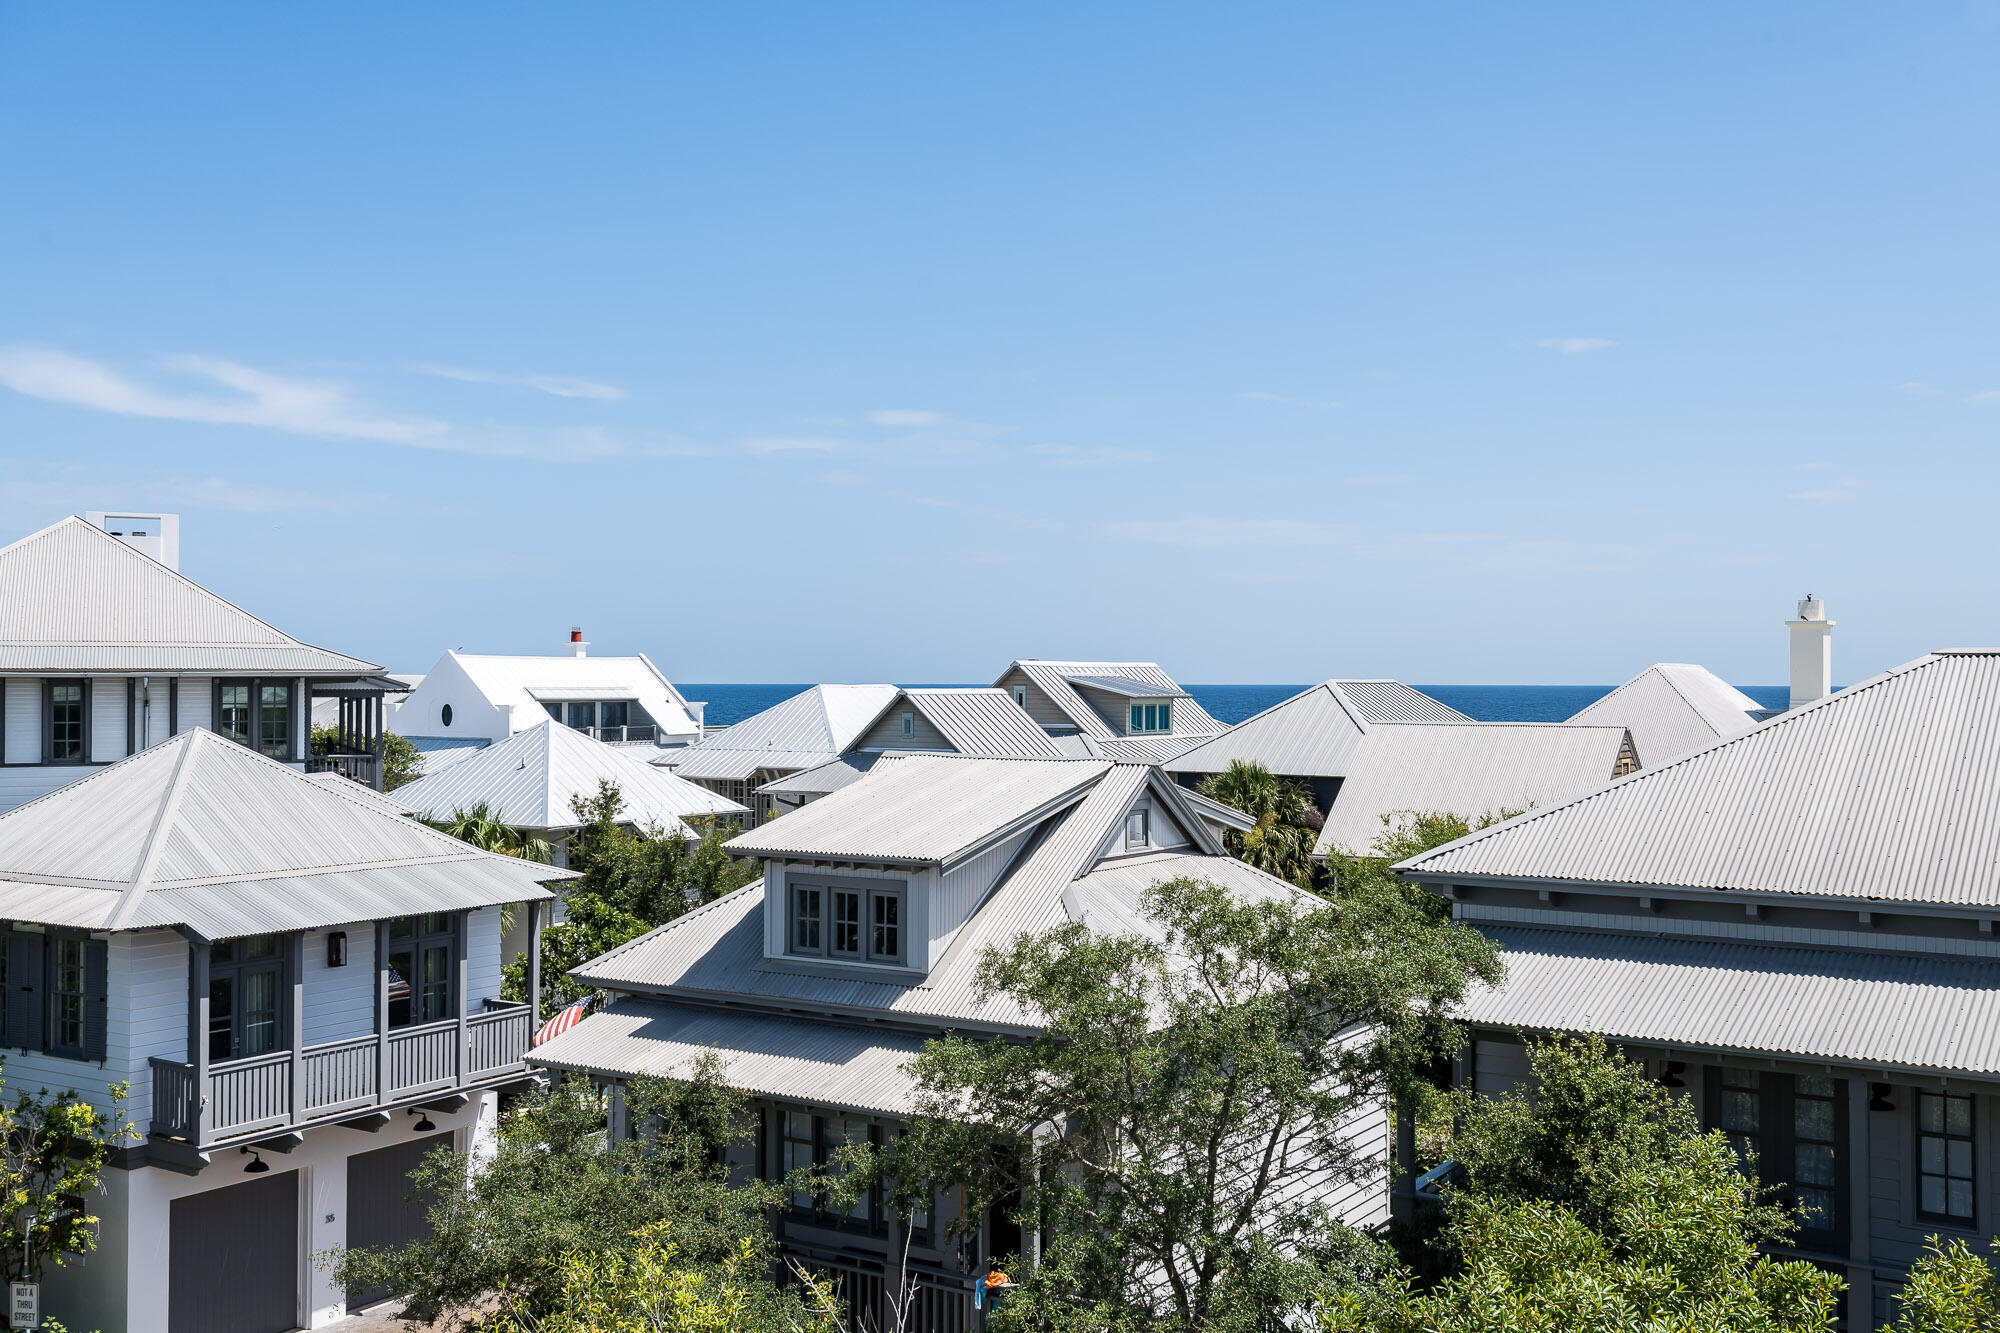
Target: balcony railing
{"type": "Point", "coordinates": [647, 732]}
{"type": "Point", "coordinates": [288, 1089]}
{"type": "Point", "coordinates": [360, 767]}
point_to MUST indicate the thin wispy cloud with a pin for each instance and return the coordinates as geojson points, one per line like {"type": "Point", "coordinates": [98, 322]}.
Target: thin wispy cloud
{"type": "Point", "coordinates": [1286, 400]}
{"type": "Point", "coordinates": [1468, 550]}
{"type": "Point", "coordinates": [39, 487]}
{"type": "Point", "coordinates": [1092, 455]}
{"type": "Point", "coordinates": [1984, 396]}
{"type": "Point", "coordinates": [767, 445]}
{"type": "Point", "coordinates": [1919, 389]}
{"type": "Point", "coordinates": [1838, 492]}
{"type": "Point", "coordinates": [562, 386]}
{"type": "Point", "coordinates": [1575, 346]}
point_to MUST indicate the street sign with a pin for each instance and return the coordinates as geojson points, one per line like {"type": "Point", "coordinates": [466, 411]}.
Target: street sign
{"type": "Point", "coordinates": [24, 1305]}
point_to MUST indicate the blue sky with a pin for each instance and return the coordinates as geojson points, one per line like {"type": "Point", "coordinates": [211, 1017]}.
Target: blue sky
{"type": "Point", "coordinates": [1509, 344]}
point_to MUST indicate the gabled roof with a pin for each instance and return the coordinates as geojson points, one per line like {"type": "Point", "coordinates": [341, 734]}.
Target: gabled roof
{"type": "Point", "coordinates": [1466, 768]}
{"type": "Point", "coordinates": [1673, 707]}
{"type": "Point", "coordinates": [845, 771]}
{"type": "Point", "coordinates": [811, 728]}
{"type": "Point", "coordinates": [1313, 733]}
{"type": "Point", "coordinates": [1885, 790]}
{"type": "Point", "coordinates": [528, 683]}
{"type": "Point", "coordinates": [1127, 688]}
{"type": "Point", "coordinates": [73, 598]}
{"type": "Point", "coordinates": [530, 779]}
{"type": "Point", "coordinates": [924, 809]}
{"type": "Point", "coordinates": [1054, 679]}
{"type": "Point", "coordinates": [975, 721]}
{"type": "Point", "coordinates": [202, 832]}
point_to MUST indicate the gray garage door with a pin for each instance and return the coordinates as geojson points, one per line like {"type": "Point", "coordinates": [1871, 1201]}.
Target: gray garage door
{"type": "Point", "coordinates": [233, 1258]}
{"type": "Point", "coordinates": [383, 1208]}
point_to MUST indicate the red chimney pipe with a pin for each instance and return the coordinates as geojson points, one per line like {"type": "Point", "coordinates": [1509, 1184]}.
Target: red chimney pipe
{"type": "Point", "coordinates": [576, 636]}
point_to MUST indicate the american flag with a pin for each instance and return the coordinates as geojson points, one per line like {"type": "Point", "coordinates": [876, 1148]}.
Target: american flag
{"type": "Point", "coordinates": [564, 1021]}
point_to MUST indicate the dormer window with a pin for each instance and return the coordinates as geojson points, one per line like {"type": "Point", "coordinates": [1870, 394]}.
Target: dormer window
{"type": "Point", "coordinates": [856, 923]}
{"type": "Point", "coordinates": [1021, 696]}
{"type": "Point", "coordinates": [909, 726]}
{"type": "Point", "coordinates": [1152, 718]}
{"type": "Point", "coordinates": [1138, 829]}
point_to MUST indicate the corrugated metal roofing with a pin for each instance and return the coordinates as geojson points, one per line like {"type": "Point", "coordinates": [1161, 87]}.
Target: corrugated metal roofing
{"type": "Point", "coordinates": [1139, 749]}
{"type": "Point", "coordinates": [1674, 707]}
{"type": "Point", "coordinates": [926, 808]}
{"type": "Point", "coordinates": [1888, 790]}
{"type": "Point", "coordinates": [1467, 768]}
{"type": "Point", "coordinates": [382, 800]}
{"type": "Point", "coordinates": [982, 722]}
{"type": "Point", "coordinates": [824, 1064]}
{"type": "Point", "coordinates": [73, 598]}
{"type": "Point", "coordinates": [201, 831]}
{"type": "Point", "coordinates": [1904, 1010]}
{"type": "Point", "coordinates": [842, 772]}
{"type": "Point", "coordinates": [1129, 688]}
{"type": "Point", "coordinates": [811, 728]}
{"type": "Point", "coordinates": [1314, 733]}
{"type": "Point", "coordinates": [531, 779]}
{"type": "Point", "coordinates": [527, 683]}
{"type": "Point", "coordinates": [437, 753]}
{"type": "Point", "coordinates": [1053, 679]}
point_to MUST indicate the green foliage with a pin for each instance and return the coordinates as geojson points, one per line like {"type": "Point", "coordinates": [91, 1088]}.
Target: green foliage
{"type": "Point", "coordinates": [1401, 838]}
{"type": "Point", "coordinates": [555, 1187]}
{"type": "Point", "coordinates": [399, 755]}
{"type": "Point", "coordinates": [1184, 1088]}
{"type": "Point", "coordinates": [53, 1147]}
{"type": "Point", "coordinates": [479, 826]}
{"type": "Point", "coordinates": [1287, 821]}
{"type": "Point", "coordinates": [630, 885]}
{"type": "Point", "coordinates": [1951, 1290]}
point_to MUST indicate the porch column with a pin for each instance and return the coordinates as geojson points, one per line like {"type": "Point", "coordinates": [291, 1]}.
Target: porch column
{"type": "Point", "coordinates": [461, 992]}
{"type": "Point", "coordinates": [198, 1031]}
{"type": "Point", "coordinates": [381, 1012]}
{"type": "Point", "coordinates": [1860, 1269]}
{"type": "Point", "coordinates": [534, 969]}
{"type": "Point", "coordinates": [295, 964]}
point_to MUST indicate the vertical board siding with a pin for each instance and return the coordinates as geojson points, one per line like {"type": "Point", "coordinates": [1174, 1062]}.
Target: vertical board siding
{"type": "Point", "coordinates": [482, 956]}
{"type": "Point", "coordinates": [197, 702]}
{"type": "Point", "coordinates": [962, 888]}
{"type": "Point", "coordinates": [340, 1001]}
{"type": "Point", "coordinates": [24, 719]}
{"type": "Point", "coordinates": [1114, 710]}
{"type": "Point", "coordinates": [107, 718]}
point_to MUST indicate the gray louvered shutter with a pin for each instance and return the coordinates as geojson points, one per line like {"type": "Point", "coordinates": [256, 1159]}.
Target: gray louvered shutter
{"type": "Point", "coordinates": [96, 1002]}
{"type": "Point", "coordinates": [24, 991]}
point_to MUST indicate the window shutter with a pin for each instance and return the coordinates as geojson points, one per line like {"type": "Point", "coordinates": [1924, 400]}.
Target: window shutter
{"type": "Point", "coordinates": [24, 991]}
{"type": "Point", "coordinates": [96, 1000]}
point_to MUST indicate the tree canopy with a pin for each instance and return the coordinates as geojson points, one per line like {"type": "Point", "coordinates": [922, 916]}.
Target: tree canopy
{"type": "Point", "coordinates": [1288, 822]}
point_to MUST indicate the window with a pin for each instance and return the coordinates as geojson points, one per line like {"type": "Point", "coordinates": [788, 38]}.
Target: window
{"type": "Point", "coordinates": [66, 998]}
{"type": "Point", "coordinates": [232, 717]}
{"type": "Point", "coordinates": [1021, 696]}
{"type": "Point", "coordinates": [555, 709]}
{"type": "Point", "coordinates": [801, 1139]}
{"type": "Point", "coordinates": [1796, 1128]}
{"type": "Point", "coordinates": [614, 713]}
{"type": "Point", "coordinates": [257, 713]}
{"type": "Point", "coordinates": [245, 979]}
{"type": "Point", "coordinates": [909, 725]}
{"type": "Point", "coordinates": [1742, 1111]}
{"type": "Point", "coordinates": [422, 950]}
{"type": "Point", "coordinates": [1152, 718]}
{"type": "Point", "coordinates": [816, 1141]}
{"type": "Point", "coordinates": [274, 720]}
{"type": "Point", "coordinates": [69, 713]}
{"type": "Point", "coordinates": [1944, 1156]}
{"type": "Point", "coordinates": [1813, 1151]}
{"type": "Point", "coordinates": [444, 715]}
{"type": "Point", "coordinates": [1138, 830]}
{"type": "Point", "coordinates": [582, 716]}
{"type": "Point", "coordinates": [846, 921]}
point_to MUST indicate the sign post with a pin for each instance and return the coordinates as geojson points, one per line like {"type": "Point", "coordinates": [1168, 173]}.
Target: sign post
{"type": "Point", "coordinates": [24, 1305]}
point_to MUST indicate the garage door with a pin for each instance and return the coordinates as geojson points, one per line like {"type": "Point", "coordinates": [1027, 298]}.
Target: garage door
{"type": "Point", "coordinates": [233, 1259]}
{"type": "Point", "coordinates": [383, 1209]}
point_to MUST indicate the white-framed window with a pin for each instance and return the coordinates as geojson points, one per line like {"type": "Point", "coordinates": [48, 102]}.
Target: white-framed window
{"type": "Point", "coordinates": [1021, 696]}
{"type": "Point", "coordinates": [1138, 828]}
{"type": "Point", "coordinates": [857, 923]}
{"type": "Point", "coordinates": [909, 725]}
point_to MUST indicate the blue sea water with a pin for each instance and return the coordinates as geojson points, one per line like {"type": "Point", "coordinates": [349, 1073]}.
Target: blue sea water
{"type": "Point", "coordinates": [1230, 704]}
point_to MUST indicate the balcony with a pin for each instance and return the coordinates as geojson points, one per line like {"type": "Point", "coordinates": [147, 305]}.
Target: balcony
{"type": "Point", "coordinates": [646, 733]}
{"type": "Point", "coordinates": [360, 767]}
{"type": "Point", "coordinates": [340, 1080]}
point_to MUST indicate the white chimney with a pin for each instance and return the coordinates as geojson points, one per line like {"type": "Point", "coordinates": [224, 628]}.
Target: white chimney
{"type": "Point", "coordinates": [577, 647]}
{"type": "Point", "coordinates": [1812, 652]}
{"type": "Point", "coordinates": [156, 535]}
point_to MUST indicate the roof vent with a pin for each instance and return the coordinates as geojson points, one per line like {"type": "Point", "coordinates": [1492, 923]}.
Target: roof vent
{"type": "Point", "coordinates": [154, 535]}
{"type": "Point", "coordinates": [1812, 652]}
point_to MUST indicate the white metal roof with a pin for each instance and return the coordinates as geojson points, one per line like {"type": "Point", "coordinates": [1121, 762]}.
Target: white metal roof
{"type": "Point", "coordinates": [811, 728]}
{"type": "Point", "coordinates": [1907, 1011]}
{"type": "Point", "coordinates": [975, 721]}
{"type": "Point", "coordinates": [931, 809]}
{"type": "Point", "coordinates": [437, 753]}
{"type": "Point", "coordinates": [527, 683]}
{"type": "Point", "coordinates": [1126, 687]}
{"type": "Point", "coordinates": [1466, 768]}
{"type": "Point", "coordinates": [73, 598]}
{"type": "Point", "coordinates": [1053, 679]}
{"type": "Point", "coordinates": [200, 831]}
{"type": "Point", "coordinates": [1673, 707]}
{"type": "Point", "coordinates": [381, 800]}
{"type": "Point", "coordinates": [829, 777]}
{"type": "Point", "coordinates": [1885, 790]}
{"type": "Point", "coordinates": [531, 779]}
{"type": "Point", "coordinates": [820, 1063]}
{"type": "Point", "coordinates": [1314, 733]}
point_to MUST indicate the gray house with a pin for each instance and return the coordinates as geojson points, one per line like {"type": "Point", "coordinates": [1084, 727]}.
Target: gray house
{"type": "Point", "coordinates": [1129, 711]}
{"type": "Point", "coordinates": [1797, 925]}
{"type": "Point", "coordinates": [819, 984]}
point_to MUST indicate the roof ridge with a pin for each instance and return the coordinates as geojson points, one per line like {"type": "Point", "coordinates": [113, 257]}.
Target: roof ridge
{"type": "Point", "coordinates": [1768, 724]}
{"type": "Point", "coordinates": [156, 842]}
{"type": "Point", "coordinates": [1675, 686]}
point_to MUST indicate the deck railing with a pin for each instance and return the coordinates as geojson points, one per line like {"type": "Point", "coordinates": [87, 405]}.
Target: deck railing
{"type": "Point", "coordinates": [287, 1088]}
{"type": "Point", "coordinates": [934, 1302]}
{"type": "Point", "coordinates": [360, 767]}
{"type": "Point", "coordinates": [641, 731]}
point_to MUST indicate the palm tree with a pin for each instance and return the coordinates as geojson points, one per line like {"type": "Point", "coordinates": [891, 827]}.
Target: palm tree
{"type": "Point", "coordinates": [1287, 821]}
{"type": "Point", "coordinates": [479, 827]}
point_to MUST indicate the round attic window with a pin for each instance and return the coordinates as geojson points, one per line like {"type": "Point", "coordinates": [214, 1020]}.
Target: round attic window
{"type": "Point", "coordinates": [444, 715]}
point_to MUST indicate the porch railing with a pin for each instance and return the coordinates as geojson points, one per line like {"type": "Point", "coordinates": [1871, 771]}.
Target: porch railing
{"type": "Point", "coordinates": [935, 1302]}
{"type": "Point", "coordinates": [646, 731]}
{"type": "Point", "coordinates": [290, 1088]}
{"type": "Point", "coordinates": [360, 767]}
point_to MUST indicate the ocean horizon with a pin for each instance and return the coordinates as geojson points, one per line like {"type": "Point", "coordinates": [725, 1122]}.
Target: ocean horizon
{"type": "Point", "coordinates": [1229, 704]}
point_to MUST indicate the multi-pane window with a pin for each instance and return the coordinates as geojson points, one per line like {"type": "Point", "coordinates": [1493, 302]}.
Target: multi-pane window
{"type": "Point", "coordinates": [1742, 1110]}
{"type": "Point", "coordinates": [1944, 1156]}
{"type": "Point", "coordinates": [1152, 717]}
{"type": "Point", "coordinates": [66, 995]}
{"type": "Point", "coordinates": [257, 713]}
{"type": "Point", "coordinates": [68, 715]}
{"type": "Point", "coordinates": [245, 978]}
{"type": "Point", "coordinates": [232, 714]}
{"type": "Point", "coordinates": [274, 720]}
{"type": "Point", "coordinates": [614, 713]}
{"type": "Point", "coordinates": [1814, 1151]}
{"type": "Point", "coordinates": [856, 923]}
{"type": "Point", "coordinates": [583, 716]}
{"type": "Point", "coordinates": [422, 950]}
{"type": "Point", "coordinates": [800, 1146]}
{"type": "Point", "coordinates": [909, 726]}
